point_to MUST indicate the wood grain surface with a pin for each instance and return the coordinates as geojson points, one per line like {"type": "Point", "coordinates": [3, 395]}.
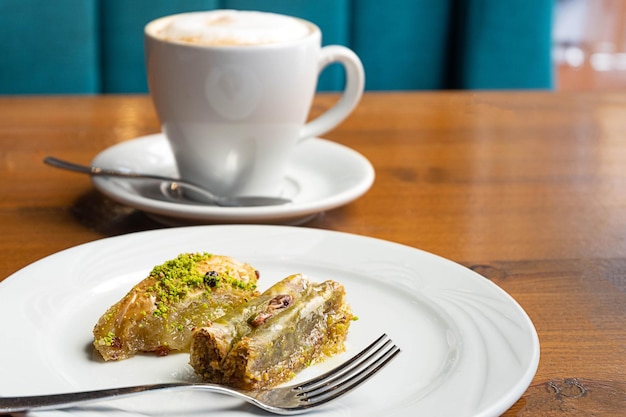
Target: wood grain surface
{"type": "Point", "coordinates": [526, 188]}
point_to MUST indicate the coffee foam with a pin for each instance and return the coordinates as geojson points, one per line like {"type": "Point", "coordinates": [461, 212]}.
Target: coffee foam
{"type": "Point", "coordinates": [230, 27]}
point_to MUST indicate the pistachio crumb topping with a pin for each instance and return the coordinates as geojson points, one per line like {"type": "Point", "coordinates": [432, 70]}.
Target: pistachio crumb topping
{"type": "Point", "coordinates": [176, 277]}
{"type": "Point", "coordinates": [107, 340]}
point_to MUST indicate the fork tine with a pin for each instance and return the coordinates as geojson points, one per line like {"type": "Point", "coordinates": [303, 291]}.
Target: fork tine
{"type": "Point", "coordinates": [323, 396]}
{"type": "Point", "coordinates": [352, 378]}
{"type": "Point", "coordinates": [345, 367]}
{"type": "Point", "coordinates": [353, 382]}
{"type": "Point", "coordinates": [337, 380]}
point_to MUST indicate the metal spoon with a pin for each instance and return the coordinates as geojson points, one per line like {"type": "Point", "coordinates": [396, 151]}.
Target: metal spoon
{"type": "Point", "coordinates": [173, 185]}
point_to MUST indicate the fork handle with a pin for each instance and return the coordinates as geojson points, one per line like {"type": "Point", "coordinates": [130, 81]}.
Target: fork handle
{"type": "Point", "coordinates": [57, 401]}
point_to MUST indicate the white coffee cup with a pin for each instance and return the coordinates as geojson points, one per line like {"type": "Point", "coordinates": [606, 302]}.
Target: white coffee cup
{"type": "Point", "coordinates": [233, 90]}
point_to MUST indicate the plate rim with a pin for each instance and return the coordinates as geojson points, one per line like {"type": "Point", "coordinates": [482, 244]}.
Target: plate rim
{"type": "Point", "coordinates": [495, 409]}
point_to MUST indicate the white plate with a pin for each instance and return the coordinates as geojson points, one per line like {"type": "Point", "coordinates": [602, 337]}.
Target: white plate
{"type": "Point", "coordinates": [322, 175]}
{"type": "Point", "coordinates": [468, 349]}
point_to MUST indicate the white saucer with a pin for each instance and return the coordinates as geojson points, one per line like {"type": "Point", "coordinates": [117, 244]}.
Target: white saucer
{"type": "Point", "coordinates": [323, 175]}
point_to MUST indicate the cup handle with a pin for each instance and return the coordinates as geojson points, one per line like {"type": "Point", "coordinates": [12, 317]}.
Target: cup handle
{"type": "Point", "coordinates": [355, 83]}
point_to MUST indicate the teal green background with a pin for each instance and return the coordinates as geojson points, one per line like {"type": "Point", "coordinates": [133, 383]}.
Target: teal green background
{"type": "Point", "coordinates": [96, 46]}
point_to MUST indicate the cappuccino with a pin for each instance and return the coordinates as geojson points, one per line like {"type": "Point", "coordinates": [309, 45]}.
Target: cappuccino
{"type": "Point", "coordinates": [233, 90]}
{"type": "Point", "coordinates": [231, 28]}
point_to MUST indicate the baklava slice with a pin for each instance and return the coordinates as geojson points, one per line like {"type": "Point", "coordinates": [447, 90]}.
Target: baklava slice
{"type": "Point", "coordinates": [160, 312]}
{"type": "Point", "coordinates": [268, 340]}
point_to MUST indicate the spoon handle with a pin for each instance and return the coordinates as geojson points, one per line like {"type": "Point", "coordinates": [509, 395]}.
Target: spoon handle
{"type": "Point", "coordinates": [201, 194]}
{"type": "Point", "coordinates": [92, 170]}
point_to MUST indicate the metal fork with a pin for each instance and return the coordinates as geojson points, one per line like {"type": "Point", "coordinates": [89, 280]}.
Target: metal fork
{"type": "Point", "coordinates": [293, 399]}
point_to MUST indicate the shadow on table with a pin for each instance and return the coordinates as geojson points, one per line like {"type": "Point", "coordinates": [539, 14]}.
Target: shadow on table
{"type": "Point", "coordinates": [103, 215]}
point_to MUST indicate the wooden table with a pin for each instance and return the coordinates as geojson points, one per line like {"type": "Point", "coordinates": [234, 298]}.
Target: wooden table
{"type": "Point", "coordinates": [526, 188]}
